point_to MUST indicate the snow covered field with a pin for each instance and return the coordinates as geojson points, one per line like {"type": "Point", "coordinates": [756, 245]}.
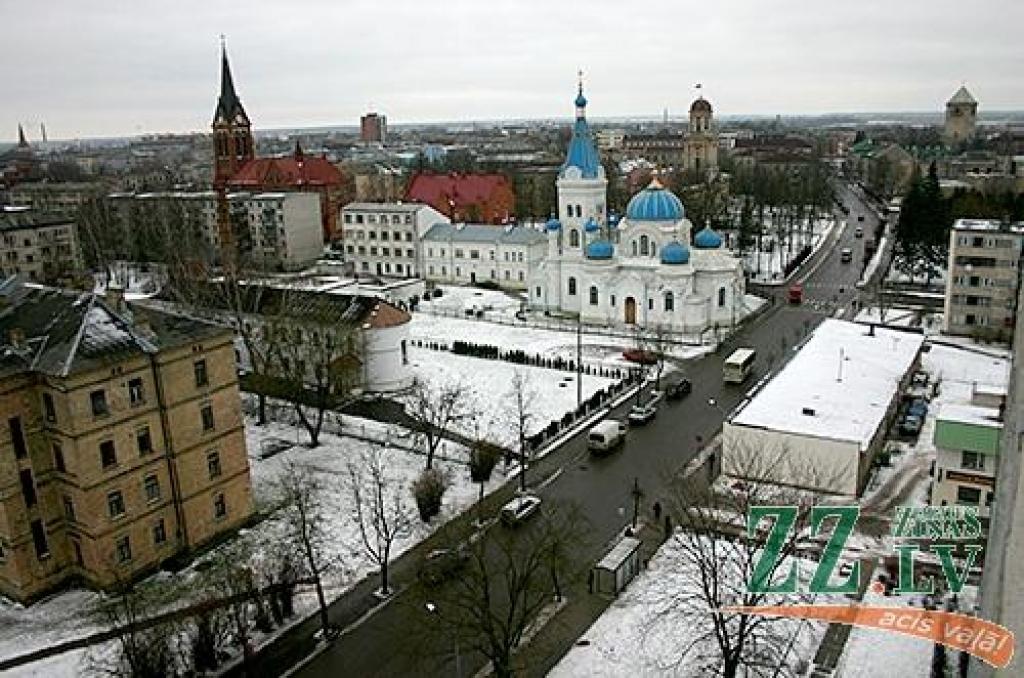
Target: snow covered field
{"type": "Point", "coordinates": [768, 264]}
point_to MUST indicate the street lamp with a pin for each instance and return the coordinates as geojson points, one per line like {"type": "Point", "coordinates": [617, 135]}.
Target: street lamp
{"type": "Point", "coordinates": [432, 609]}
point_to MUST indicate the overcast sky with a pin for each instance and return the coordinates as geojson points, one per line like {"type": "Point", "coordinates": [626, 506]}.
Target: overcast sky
{"type": "Point", "coordinates": [100, 67]}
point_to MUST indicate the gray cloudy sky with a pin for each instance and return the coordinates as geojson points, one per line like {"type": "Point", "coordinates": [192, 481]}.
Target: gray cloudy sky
{"type": "Point", "coordinates": [100, 67]}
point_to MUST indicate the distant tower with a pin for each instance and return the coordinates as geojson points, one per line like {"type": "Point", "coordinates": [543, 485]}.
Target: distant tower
{"type": "Point", "coordinates": [961, 116]}
{"type": "Point", "coordinates": [581, 185]}
{"type": "Point", "coordinates": [232, 131]}
{"type": "Point", "coordinates": [22, 141]}
{"type": "Point", "coordinates": [42, 131]}
{"type": "Point", "coordinates": [700, 148]}
{"type": "Point", "coordinates": [373, 128]}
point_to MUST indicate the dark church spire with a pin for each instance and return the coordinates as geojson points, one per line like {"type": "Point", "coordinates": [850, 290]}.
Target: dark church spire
{"type": "Point", "coordinates": [22, 141]}
{"type": "Point", "coordinates": [229, 106]}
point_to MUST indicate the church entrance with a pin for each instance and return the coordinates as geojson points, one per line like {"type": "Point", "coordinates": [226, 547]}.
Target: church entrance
{"type": "Point", "coordinates": [630, 311]}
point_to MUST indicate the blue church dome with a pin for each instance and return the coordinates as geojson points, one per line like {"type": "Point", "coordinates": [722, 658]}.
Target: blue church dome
{"type": "Point", "coordinates": [613, 220]}
{"type": "Point", "coordinates": [707, 239]}
{"type": "Point", "coordinates": [655, 203]}
{"type": "Point", "coordinates": [600, 249]}
{"type": "Point", "coordinates": [581, 101]}
{"type": "Point", "coordinates": [675, 253]}
{"type": "Point", "coordinates": [553, 224]}
{"type": "Point", "coordinates": [591, 226]}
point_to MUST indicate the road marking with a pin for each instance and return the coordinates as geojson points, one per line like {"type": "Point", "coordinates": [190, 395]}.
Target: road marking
{"type": "Point", "coordinates": [550, 479]}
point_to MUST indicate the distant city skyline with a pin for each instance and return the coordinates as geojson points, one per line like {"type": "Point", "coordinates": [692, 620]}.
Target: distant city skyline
{"type": "Point", "coordinates": [154, 67]}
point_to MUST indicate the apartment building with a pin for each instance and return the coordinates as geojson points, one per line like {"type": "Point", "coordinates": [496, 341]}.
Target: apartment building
{"type": "Point", "coordinates": [967, 440]}
{"type": "Point", "coordinates": [63, 198]}
{"type": "Point", "coordinates": [383, 238]}
{"type": "Point", "coordinates": [274, 230]}
{"type": "Point", "coordinates": [983, 277]}
{"type": "Point", "coordinates": [121, 439]}
{"type": "Point", "coordinates": [41, 247]}
{"type": "Point", "coordinates": [476, 253]}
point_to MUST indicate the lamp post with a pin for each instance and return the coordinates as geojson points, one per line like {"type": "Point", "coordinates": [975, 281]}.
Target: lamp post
{"type": "Point", "coordinates": [432, 609]}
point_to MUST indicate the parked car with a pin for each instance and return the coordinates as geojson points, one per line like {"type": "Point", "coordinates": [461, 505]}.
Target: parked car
{"type": "Point", "coordinates": [641, 414]}
{"type": "Point", "coordinates": [441, 564]}
{"type": "Point", "coordinates": [679, 389]}
{"type": "Point", "coordinates": [911, 425]}
{"type": "Point", "coordinates": [606, 435]}
{"type": "Point", "coordinates": [519, 509]}
{"type": "Point", "coordinates": [638, 355]}
{"type": "Point", "coordinates": [860, 217]}
{"type": "Point", "coordinates": [858, 232]}
{"type": "Point", "coordinates": [846, 255]}
{"type": "Point", "coordinates": [796, 293]}
{"type": "Point", "coordinates": [919, 379]}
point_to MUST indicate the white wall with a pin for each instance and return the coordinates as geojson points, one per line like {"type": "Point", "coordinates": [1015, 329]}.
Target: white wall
{"type": "Point", "coordinates": [385, 367]}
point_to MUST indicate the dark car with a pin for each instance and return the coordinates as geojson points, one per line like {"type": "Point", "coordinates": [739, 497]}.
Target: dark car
{"type": "Point", "coordinates": [679, 389]}
{"type": "Point", "coordinates": [911, 425]}
{"type": "Point", "coordinates": [638, 355]}
{"type": "Point", "coordinates": [440, 564]}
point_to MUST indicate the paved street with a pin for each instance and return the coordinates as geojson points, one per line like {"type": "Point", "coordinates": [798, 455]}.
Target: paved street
{"type": "Point", "coordinates": [385, 643]}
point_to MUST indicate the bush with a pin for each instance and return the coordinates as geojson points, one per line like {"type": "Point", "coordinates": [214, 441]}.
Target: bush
{"type": "Point", "coordinates": [428, 490]}
{"type": "Point", "coordinates": [482, 460]}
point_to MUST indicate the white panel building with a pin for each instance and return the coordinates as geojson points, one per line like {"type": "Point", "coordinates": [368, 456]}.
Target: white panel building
{"type": "Point", "coordinates": [821, 420]}
{"type": "Point", "coordinates": [383, 238]}
{"type": "Point", "coordinates": [476, 253]}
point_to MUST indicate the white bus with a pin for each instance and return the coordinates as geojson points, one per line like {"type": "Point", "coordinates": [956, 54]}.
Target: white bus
{"type": "Point", "coordinates": [739, 365]}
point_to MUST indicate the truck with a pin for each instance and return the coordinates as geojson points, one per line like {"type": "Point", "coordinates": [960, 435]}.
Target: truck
{"type": "Point", "coordinates": [606, 435]}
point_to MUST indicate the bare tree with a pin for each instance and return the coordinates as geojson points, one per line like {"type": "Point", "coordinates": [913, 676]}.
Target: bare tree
{"type": "Point", "coordinates": [379, 508]}
{"type": "Point", "coordinates": [301, 493]}
{"type": "Point", "coordinates": [656, 340]}
{"type": "Point", "coordinates": [229, 575]}
{"type": "Point", "coordinates": [508, 580]}
{"type": "Point", "coordinates": [434, 411]}
{"type": "Point", "coordinates": [717, 560]}
{"type": "Point", "coordinates": [142, 652]}
{"type": "Point", "coordinates": [520, 417]}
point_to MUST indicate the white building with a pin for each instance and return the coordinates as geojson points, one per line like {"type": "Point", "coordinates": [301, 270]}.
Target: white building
{"type": "Point", "coordinates": [644, 269]}
{"type": "Point", "coordinates": [822, 419]}
{"type": "Point", "coordinates": [384, 238]}
{"type": "Point", "coordinates": [41, 247]}
{"type": "Point", "coordinates": [474, 253]}
{"type": "Point", "coordinates": [285, 228]}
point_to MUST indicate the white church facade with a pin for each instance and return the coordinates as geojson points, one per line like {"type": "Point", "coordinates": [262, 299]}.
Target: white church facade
{"type": "Point", "coordinates": [645, 269]}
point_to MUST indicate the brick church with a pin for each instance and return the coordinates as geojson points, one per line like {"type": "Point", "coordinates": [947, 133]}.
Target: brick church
{"type": "Point", "coordinates": [236, 167]}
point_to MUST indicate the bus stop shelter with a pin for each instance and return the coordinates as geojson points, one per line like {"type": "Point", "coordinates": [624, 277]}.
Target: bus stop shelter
{"type": "Point", "coordinates": [618, 567]}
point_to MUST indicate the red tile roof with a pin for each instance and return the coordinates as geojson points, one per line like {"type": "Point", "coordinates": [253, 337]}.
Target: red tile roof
{"type": "Point", "coordinates": [441, 190]}
{"type": "Point", "coordinates": [269, 173]}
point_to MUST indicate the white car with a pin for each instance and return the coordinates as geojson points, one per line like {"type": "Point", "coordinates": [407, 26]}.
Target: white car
{"type": "Point", "coordinates": [519, 509]}
{"type": "Point", "coordinates": [641, 414]}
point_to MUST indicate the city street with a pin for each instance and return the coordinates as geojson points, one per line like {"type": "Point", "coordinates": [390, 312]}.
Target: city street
{"type": "Point", "coordinates": [384, 643]}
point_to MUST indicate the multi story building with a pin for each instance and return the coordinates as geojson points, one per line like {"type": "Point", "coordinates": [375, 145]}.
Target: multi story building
{"type": "Point", "coordinates": [983, 278]}
{"type": "Point", "coordinates": [384, 238]}
{"type": "Point", "coordinates": [273, 231]}
{"type": "Point", "coordinates": [476, 253]}
{"type": "Point", "coordinates": [41, 247]}
{"type": "Point", "coordinates": [60, 198]}
{"type": "Point", "coordinates": [967, 440]}
{"type": "Point", "coordinates": [373, 128]}
{"type": "Point", "coordinates": [961, 117]}
{"type": "Point", "coordinates": [121, 440]}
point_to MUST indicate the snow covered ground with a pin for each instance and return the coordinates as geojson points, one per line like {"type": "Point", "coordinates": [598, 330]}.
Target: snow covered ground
{"type": "Point", "coordinates": [767, 265]}
{"type": "Point", "coordinates": [65, 616]}
{"type": "Point", "coordinates": [489, 381]}
{"type": "Point", "coordinates": [871, 653]}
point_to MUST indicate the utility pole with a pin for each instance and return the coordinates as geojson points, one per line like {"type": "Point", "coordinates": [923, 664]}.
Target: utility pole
{"type": "Point", "coordinates": [637, 493]}
{"type": "Point", "coordinates": [579, 361]}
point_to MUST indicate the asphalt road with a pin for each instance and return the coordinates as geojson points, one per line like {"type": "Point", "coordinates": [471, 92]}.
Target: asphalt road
{"type": "Point", "coordinates": [390, 642]}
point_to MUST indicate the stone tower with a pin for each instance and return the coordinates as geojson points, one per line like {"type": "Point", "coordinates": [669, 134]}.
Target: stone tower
{"type": "Point", "coordinates": [232, 131]}
{"type": "Point", "coordinates": [700, 146]}
{"type": "Point", "coordinates": [961, 116]}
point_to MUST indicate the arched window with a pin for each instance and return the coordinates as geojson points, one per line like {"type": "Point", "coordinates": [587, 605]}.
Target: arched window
{"type": "Point", "coordinates": [579, 210]}
{"type": "Point", "coordinates": [634, 248]}
{"type": "Point", "coordinates": [568, 210]}
{"type": "Point", "coordinates": [593, 295]}
{"type": "Point", "coordinates": [670, 302]}
{"type": "Point", "coordinates": [644, 246]}
{"type": "Point", "coordinates": [721, 296]}
{"type": "Point", "coordinates": [654, 248]}
{"type": "Point", "coordinates": [572, 287]}
{"type": "Point", "coordinates": [574, 238]}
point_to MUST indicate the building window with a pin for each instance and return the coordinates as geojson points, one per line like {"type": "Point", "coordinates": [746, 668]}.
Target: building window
{"type": "Point", "coordinates": [973, 460]}
{"type": "Point", "coordinates": [28, 487]}
{"type": "Point", "coordinates": [124, 549]}
{"type": "Point", "coordinates": [721, 296]}
{"type": "Point", "coordinates": [98, 400]}
{"type": "Point", "coordinates": [650, 304]}
{"type": "Point", "coordinates": [17, 438]}
{"type": "Point", "coordinates": [115, 504]}
{"type": "Point", "coordinates": [670, 302]}
{"type": "Point", "coordinates": [69, 508]}
{"type": "Point", "coordinates": [968, 495]}
{"type": "Point", "coordinates": [644, 246]}
{"type": "Point", "coordinates": [213, 464]}
{"type": "Point", "coordinates": [579, 210]}
{"type": "Point", "coordinates": [538, 294]}
{"type": "Point", "coordinates": [568, 210]}
{"type": "Point", "coordinates": [593, 295]}
{"type": "Point", "coordinates": [49, 411]}
{"type": "Point", "coordinates": [135, 394]}
{"type": "Point", "coordinates": [634, 248]}
{"type": "Point", "coordinates": [39, 540]}
{"type": "Point", "coordinates": [220, 507]}
{"type": "Point", "coordinates": [507, 275]}
{"type": "Point", "coordinates": [572, 287]}
{"type": "Point", "coordinates": [144, 440]}
{"type": "Point", "coordinates": [108, 455]}
{"type": "Point", "coordinates": [58, 458]}
{"type": "Point", "coordinates": [151, 486]}
{"type": "Point", "coordinates": [520, 276]}
{"type": "Point", "coordinates": [199, 369]}
{"type": "Point", "coordinates": [159, 532]}
{"type": "Point", "coordinates": [206, 412]}
{"type": "Point", "coordinates": [574, 238]}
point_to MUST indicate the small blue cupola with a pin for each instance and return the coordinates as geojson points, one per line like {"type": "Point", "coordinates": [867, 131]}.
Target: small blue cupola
{"type": "Point", "coordinates": [675, 253]}
{"type": "Point", "coordinates": [591, 226]}
{"type": "Point", "coordinates": [600, 249]}
{"type": "Point", "coordinates": [553, 224]}
{"type": "Point", "coordinates": [707, 239]}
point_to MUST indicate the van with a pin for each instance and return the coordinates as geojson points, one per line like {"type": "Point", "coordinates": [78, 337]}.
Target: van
{"type": "Point", "coordinates": [606, 435]}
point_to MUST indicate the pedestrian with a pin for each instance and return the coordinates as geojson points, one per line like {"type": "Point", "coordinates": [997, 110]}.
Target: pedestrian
{"type": "Point", "coordinates": [657, 510]}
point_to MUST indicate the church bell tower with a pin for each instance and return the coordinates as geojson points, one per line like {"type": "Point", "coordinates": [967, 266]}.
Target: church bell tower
{"type": "Point", "coordinates": [232, 131]}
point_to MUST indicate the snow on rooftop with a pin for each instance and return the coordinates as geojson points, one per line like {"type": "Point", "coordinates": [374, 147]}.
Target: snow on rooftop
{"type": "Point", "coordinates": [618, 555]}
{"type": "Point", "coordinates": [970, 414]}
{"type": "Point", "coordinates": [849, 408]}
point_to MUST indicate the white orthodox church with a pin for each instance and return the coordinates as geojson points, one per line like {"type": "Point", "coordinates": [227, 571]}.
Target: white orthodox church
{"type": "Point", "coordinates": [645, 269]}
